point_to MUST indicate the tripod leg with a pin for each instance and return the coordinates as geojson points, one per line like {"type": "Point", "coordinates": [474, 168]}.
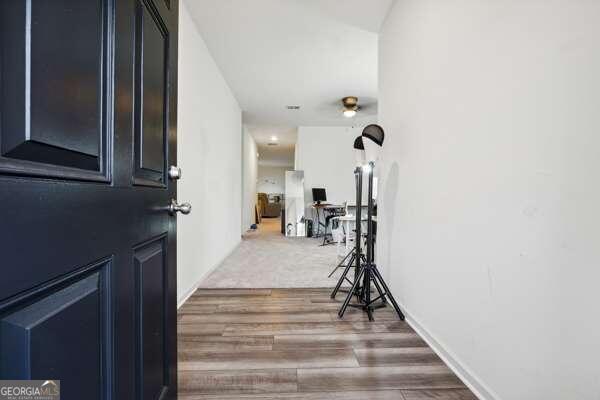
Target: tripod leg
{"type": "Point", "coordinates": [333, 272]}
{"type": "Point", "coordinates": [350, 253]}
{"type": "Point", "coordinates": [369, 313]}
{"type": "Point", "coordinates": [381, 292]}
{"type": "Point", "coordinates": [351, 293]}
{"type": "Point", "coordinates": [341, 264]}
{"type": "Point", "coordinates": [342, 278]}
{"type": "Point", "coordinates": [388, 293]}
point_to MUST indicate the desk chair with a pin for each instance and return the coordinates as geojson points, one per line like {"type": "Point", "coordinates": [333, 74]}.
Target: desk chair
{"type": "Point", "coordinates": [331, 222]}
{"type": "Point", "coordinates": [339, 236]}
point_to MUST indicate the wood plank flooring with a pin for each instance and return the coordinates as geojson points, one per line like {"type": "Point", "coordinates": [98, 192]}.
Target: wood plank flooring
{"type": "Point", "coordinates": [268, 344]}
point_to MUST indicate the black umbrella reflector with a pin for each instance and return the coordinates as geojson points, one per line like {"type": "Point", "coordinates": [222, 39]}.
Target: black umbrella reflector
{"type": "Point", "coordinates": [375, 133]}
{"type": "Point", "coordinates": [359, 152]}
{"type": "Point", "coordinates": [358, 143]}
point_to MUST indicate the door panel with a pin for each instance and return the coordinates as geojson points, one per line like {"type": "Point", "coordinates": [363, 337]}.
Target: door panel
{"type": "Point", "coordinates": [150, 264]}
{"type": "Point", "coordinates": [54, 92]}
{"type": "Point", "coordinates": [151, 111]}
{"type": "Point", "coordinates": [35, 345]}
{"type": "Point", "coordinates": [75, 127]}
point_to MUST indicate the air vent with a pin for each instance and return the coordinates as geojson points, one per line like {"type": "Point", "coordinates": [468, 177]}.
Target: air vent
{"type": "Point", "coordinates": [272, 144]}
{"type": "Point", "coordinates": [293, 107]}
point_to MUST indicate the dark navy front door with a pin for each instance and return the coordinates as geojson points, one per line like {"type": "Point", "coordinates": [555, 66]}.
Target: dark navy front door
{"type": "Point", "coordinates": [88, 92]}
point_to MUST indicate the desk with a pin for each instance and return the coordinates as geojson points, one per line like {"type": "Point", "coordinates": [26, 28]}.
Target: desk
{"type": "Point", "coordinates": [324, 207]}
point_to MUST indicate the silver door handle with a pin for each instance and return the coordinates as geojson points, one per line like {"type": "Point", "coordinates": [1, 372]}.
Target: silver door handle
{"type": "Point", "coordinates": [184, 208]}
{"type": "Point", "coordinates": [174, 172]}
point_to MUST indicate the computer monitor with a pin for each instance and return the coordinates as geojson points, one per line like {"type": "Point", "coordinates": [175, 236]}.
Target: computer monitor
{"type": "Point", "coordinates": [319, 195]}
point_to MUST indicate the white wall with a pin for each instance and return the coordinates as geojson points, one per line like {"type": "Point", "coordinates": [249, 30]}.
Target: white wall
{"type": "Point", "coordinates": [249, 172]}
{"type": "Point", "coordinates": [209, 148]}
{"type": "Point", "coordinates": [271, 179]}
{"type": "Point", "coordinates": [490, 209]}
{"type": "Point", "coordinates": [325, 154]}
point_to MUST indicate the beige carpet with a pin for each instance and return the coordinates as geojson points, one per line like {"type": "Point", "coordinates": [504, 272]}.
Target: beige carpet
{"type": "Point", "coordinates": [267, 259]}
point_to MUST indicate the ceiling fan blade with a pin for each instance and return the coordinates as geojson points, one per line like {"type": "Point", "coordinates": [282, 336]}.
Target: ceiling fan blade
{"type": "Point", "coordinates": [368, 109]}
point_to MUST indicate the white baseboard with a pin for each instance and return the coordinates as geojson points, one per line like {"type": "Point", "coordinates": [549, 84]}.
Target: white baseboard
{"type": "Point", "coordinates": [196, 285]}
{"type": "Point", "coordinates": [469, 379]}
{"type": "Point", "coordinates": [190, 292]}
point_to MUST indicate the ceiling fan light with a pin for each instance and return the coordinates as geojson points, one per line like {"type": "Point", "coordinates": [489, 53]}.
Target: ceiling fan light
{"type": "Point", "coordinates": [349, 113]}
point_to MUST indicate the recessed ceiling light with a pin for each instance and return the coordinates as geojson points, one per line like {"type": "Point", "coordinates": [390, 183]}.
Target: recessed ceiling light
{"type": "Point", "coordinates": [273, 138]}
{"type": "Point", "coordinates": [293, 107]}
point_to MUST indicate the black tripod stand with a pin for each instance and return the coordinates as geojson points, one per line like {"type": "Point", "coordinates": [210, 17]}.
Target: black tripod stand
{"type": "Point", "coordinates": [357, 258]}
{"type": "Point", "coordinates": [356, 250]}
{"type": "Point", "coordinates": [351, 264]}
{"type": "Point", "coordinates": [368, 271]}
{"type": "Point", "coordinates": [350, 257]}
{"type": "Point", "coordinates": [341, 264]}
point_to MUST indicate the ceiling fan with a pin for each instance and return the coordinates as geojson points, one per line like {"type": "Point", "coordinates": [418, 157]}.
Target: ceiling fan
{"type": "Point", "coordinates": [351, 106]}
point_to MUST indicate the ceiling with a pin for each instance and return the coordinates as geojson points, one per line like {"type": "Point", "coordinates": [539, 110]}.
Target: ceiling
{"type": "Point", "coordinates": [280, 155]}
{"type": "Point", "coordinates": [311, 53]}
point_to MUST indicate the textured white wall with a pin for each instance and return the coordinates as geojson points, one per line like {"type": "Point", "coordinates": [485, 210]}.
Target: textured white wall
{"type": "Point", "coordinates": [271, 179]}
{"type": "Point", "coordinates": [209, 148]}
{"type": "Point", "coordinates": [490, 214]}
{"type": "Point", "coordinates": [249, 172]}
{"type": "Point", "coordinates": [326, 156]}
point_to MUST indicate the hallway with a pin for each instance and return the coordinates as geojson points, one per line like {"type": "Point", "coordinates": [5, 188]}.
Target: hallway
{"type": "Point", "coordinates": [289, 344]}
{"type": "Point", "coordinates": [267, 259]}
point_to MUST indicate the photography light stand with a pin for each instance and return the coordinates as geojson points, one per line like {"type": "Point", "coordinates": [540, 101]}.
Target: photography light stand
{"type": "Point", "coordinates": [342, 263]}
{"type": "Point", "coordinates": [373, 139]}
{"type": "Point", "coordinates": [356, 255]}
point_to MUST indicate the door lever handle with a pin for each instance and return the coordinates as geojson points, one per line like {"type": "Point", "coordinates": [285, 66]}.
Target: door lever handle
{"type": "Point", "coordinates": [184, 208]}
